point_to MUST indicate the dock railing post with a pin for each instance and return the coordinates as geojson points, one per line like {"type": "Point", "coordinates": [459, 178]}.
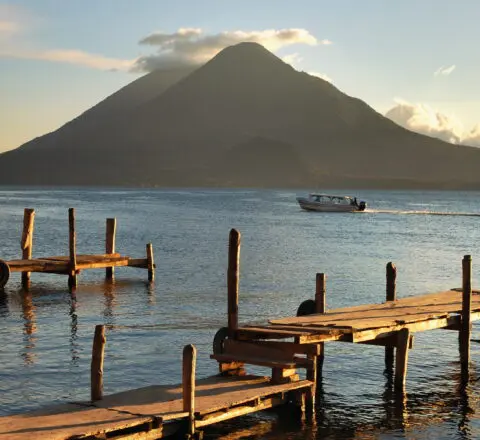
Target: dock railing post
{"type": "Point", "coordinates": [111, 228]}
{"type": "Point", "coordinates": [233, 280]}
{"type": "Point", "coordinates": [320, 307]}
{"type": "Point", "coordinates": [391, 293]}
{"type": "Point", "coordinates": [26, 242]}
{"type": "Point", "coordinates": [72, 276]}
{"type": "Point", "coordinates": [188, 386]}
{"type": "Point", "coordinates": [150, 262]}
{"type": "Point", "coordinates": [96, 368]}
{"type": "Point", "coordinates": [466, 324]}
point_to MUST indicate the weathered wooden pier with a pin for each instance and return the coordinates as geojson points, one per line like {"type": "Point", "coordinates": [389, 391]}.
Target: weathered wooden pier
{"type": "Point", "coordinates": [284, 345]}
{"type": "Point", "coordinates": [73, 263]}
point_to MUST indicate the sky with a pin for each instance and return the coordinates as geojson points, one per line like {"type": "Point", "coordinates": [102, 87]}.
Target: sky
{"type": "Point", "coordinates": [415, 61]}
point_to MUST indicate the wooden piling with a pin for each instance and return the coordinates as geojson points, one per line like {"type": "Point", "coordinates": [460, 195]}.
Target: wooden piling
{"type": "Point", "coordinates": [320, 293]}
{"type": "Point", "coordinates": [72, 277]}
{"type": "Point", "coordinates": [403, 345]}
{"type": "Point", "coordinates": [27, 241]}
{"type": "Point", "coordinates": [466, 325]}
{"type": "Point", "coordinates": [111, 228]}
{"type": "Point", "coordinates": [96, 369]}
{"type": "Point", "coordinates": [320, 307]}
{"type": "Point", "coordinates": [233, 279]}
{"type": "Point", "coordinates": [188, 386]}
{"type": "Point", "coordinates": [391, 294]}
{"type": "Point", "coordinates": [150, 262]}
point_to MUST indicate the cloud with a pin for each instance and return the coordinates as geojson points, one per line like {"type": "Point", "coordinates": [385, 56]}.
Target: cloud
{"type": "Point", "coordinates": [76, 57]}
{"type": "Point", "coordinates": [444, 71]}
{"type": "Point", "coordinates": [191, 46]}
{"type": "Point", "coordinates": [321, 76]}
{"type": "Point", "coordinates": [423, 119]}
{"type": "Point", "coordinates": [11, 18]}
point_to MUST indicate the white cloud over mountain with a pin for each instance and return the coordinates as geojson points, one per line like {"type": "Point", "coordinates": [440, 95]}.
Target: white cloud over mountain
{"type": "Point", "coordinates": [423, 119]}
{"type": "Point", "coordinates": [191, 46]}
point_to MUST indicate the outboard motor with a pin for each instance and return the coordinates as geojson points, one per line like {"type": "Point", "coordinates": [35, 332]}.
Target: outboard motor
{"type": "Point", "coordinates": [362, 206]}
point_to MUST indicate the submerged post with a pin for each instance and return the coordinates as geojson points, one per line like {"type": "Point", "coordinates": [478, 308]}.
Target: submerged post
{"type": "Point", "coordinates": [96, 368]}
{"type": "Point", "coordinates": [27, 241]}
{"type": "Point", "coordinates": [466, 325]}
{"type": "Point", "coordinates": [188, 385]}
{"type": "Point", "coordinates": [111, 228]}
{"type": "Point", "coordinates": [391, 293]}
{"type": "Point", "coordinates": [233, 279]}
{"type": "Point", "coordinates": [150, 262]}
{"type": "Point", "coordinates": [72, 276]}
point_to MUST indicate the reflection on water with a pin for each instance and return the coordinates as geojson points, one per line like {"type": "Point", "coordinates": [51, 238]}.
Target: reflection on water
{"type": "Point", "coordinates": [74, 346]}
{"type": "Point", "coordinates": [47, 332]}
{"type": "Point", "coordinates": [29, 328]}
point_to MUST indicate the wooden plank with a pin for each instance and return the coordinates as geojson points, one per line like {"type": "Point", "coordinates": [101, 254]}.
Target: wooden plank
{"type": "Point", "coordinates": [263, 362]}
{"type": "Point", "coordinates": [85, 257]}
{"type": "Point", "coordinates": [138, 262]}
{"type": "Point", "coordinates": [238, 411]}
{"type": "Point", "coordinates": [290, 347]}
{"type": "Point", "coordinates": [60, 422]}
{"type": "Point", "coordinates": [249, 350]}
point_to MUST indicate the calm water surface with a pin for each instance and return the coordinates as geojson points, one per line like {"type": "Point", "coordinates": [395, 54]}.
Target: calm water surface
{"type": "Point", "coordinates": [46, 334]}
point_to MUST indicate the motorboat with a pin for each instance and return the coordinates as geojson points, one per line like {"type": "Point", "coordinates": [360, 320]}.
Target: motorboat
{"type": "Point", "coordinates": [330, 203]}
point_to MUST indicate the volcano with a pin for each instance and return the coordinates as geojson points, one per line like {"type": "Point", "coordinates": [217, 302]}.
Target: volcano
{"type": "Point", "coordinates": [243, 119]}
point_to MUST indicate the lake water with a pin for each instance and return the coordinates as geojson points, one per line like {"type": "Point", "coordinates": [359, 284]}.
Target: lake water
{"type": "Point", "coordinates": [46, 334]}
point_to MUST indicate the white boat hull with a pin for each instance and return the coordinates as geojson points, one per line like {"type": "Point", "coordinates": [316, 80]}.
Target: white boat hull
{"type": "Point", "coordinates": [310, 205]}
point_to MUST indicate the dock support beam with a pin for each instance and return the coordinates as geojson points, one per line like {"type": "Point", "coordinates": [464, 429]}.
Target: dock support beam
{"type": "Point", "coordinates": [96, 369]}
{"type": "Point", "coordinates": [27, 242]}
{"type": "Point", "coordinates": [72, 276]}
{"type": "Point", "coordinates": [403, 345]}
{"type": "Point", "coordinates": [188, 386]}
{"type": "Point", "coordinates": [111, 229]}
{"type": "Point", "coordinates": [150, 262]}
{"type": "Point", "coordinates": [466, 325]}
{"type": "Point", "coordinates": [233, 274]}
{"type": "Point", "coordinates": [391, 293]}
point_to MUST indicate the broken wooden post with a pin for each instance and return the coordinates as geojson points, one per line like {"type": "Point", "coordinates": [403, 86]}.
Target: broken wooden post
{"type": "Point", "coordinates": [320, 307]}
{"type": "Point", "coordinates": [110, 244]}
{"type": "Point", "coordinates": [188, 386]}
{"type": "Point", "coordinates": [403, 345]}
{"type": "Point", "coordinates": [27, 241]}
{"type": "Point", "coordinates": [72, 276]}
{"type": "Point", "coordinates": [96, 368]}
{"type": "Point", "coordinates": [391, 289]}
{"type": "Point", "coordinates": [150, 263]}
{"type": "Point", "coordinates": [466, 325]}
{"type": "Point", "coordinates": [233, 280]}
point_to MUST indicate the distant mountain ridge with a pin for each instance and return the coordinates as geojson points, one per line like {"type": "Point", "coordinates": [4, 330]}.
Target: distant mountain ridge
{"type": "Point", "coordinates": [246, 119]}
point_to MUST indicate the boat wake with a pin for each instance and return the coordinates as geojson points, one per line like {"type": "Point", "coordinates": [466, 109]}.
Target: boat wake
{"type": "Point", "coordinates": [399, 212]}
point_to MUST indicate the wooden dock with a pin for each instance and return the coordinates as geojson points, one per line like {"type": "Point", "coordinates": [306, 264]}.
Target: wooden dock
{"type": "Point", "coordinates": [284, 345]}
{"type": "Point", "coordinates": [73, 263]}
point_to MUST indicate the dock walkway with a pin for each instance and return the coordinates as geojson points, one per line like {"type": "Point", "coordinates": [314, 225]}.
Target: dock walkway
{"type": "Point", "coordinates": [149, 413]}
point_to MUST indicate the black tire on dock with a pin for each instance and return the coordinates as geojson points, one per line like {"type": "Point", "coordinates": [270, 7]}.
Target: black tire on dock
{"type": "Point", "coordinates": [4, 273]}
{"type": "Point", "coordinates": [306, 308]}
{"type": "Point", "coordinates": [218, 339]}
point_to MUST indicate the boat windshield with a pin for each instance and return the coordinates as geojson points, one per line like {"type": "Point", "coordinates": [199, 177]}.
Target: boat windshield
{"type": "Point", "coordinates": [323, 198]}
